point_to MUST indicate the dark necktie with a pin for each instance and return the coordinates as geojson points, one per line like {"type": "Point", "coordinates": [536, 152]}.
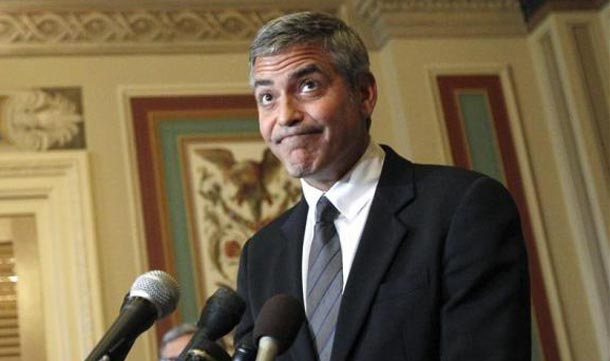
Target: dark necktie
{"type": "Point", "coordinates": [324, 278]}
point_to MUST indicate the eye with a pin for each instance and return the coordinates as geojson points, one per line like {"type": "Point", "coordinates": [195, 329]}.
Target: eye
{"type": "Point", "coordinates": [309, 85]}
{"type": "Point", "coordinates": [264, 98]}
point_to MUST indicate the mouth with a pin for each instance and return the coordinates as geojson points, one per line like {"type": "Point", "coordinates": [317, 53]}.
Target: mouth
{"type": "Point", "coordinates": [295, 134]}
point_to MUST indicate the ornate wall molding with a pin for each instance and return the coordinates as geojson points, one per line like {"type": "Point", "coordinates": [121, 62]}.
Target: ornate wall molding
{"type": "Point", "coordinates": [41, 27]}
{"type": "Point", "coordinates": [69, 27]}
{"type": "Point", "coordinates": [429, 5]}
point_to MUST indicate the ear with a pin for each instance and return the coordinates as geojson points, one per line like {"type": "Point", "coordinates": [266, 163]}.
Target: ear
{"type": "Point", "coordinates": [368, 93]}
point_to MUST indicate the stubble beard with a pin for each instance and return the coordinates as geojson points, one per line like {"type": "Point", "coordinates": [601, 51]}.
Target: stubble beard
{"type": "Point", "coordinates": [296, 170]}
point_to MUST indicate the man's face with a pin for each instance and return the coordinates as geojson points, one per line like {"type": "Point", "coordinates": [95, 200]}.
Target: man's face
{"type": "Point", "coordinates": [308, 115]}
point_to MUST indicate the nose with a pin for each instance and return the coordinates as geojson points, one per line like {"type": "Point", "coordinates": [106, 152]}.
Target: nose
{"type": "Point", "coordinates": [289, 113]}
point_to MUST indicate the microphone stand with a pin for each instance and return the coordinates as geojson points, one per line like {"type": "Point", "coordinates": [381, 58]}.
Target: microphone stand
{"type": "Point", "coordinates": [207, 350]}
{"type": "Point", "coordinates": [119, 353]}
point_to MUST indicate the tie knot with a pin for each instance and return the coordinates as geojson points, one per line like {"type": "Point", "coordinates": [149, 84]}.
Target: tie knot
{"type": "Point", "coordinates": [325, 211]}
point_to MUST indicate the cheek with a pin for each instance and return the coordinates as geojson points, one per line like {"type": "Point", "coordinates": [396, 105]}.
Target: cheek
{"type": "Point", "coordinates": [332, 109]}
{"type": "Point", "coordinates": [322, 111]}
{"type": "Point", "coordinates": [334, 117]}
{"type": "Point", "coordinates": [265, 127]}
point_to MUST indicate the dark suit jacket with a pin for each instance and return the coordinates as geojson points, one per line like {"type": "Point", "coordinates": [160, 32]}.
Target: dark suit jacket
{"type": "Point", "coordinates": [440, 273]}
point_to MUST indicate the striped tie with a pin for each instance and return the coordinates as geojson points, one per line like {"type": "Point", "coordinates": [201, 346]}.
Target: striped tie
{"type": "Point", "coordinates": [324, 279]}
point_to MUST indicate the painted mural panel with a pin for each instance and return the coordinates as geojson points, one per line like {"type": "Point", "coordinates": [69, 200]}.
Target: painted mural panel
{"type": "Point", "coordinates": [207, 183]}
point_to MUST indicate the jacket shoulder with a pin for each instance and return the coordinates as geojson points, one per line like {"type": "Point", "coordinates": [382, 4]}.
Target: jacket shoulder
{"type": "Point", "coordinates": [443, 175]}
{"type": "Point", "coordinates": [270, 230]}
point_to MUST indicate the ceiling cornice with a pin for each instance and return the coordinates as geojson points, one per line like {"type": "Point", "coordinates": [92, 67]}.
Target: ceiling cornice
{"type": "Point", "coordinates": [124, 27]}
{"type": "Point", "coordinates": [535, 11]}
{"type": "Point", "coordinates": [64, 27]}
{"type": "Point", "coordinates": [387, 19]}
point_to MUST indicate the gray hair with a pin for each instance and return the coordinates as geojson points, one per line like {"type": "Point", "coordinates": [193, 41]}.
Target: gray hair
{"type": "Point", "coordinates": [176, 332]}
{"type": "Point", "coordinates": [345, 47]}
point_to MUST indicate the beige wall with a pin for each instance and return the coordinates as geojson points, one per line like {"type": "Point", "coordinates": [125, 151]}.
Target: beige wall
{"type": "Point", "coordinates": [104, 80]}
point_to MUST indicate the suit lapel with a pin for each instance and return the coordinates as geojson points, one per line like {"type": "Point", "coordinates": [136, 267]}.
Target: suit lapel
{"type": "Point", "coordinates": [381, 236]}
{"type": "Point", "coordinates": [293, 230]}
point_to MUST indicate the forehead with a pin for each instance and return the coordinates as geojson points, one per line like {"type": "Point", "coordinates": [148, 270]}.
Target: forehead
{"type": "Point", "coordinates": [291, 59]}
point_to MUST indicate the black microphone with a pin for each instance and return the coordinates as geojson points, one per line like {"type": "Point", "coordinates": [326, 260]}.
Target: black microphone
{"type": "Point", "coordinates": [277, 326]}
{"type": "Point", "coordinates": [221, 312]}
{"type": "Point", "coordinates": [152, 296]}
{"type": "Point", "coordinates": [246, 350]}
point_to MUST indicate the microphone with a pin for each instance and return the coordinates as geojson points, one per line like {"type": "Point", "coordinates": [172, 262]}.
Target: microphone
{"type": "Point", "coordinates": [152, 296]}
{"type": "Point", "coordinates": [246, 350]}
{"type": "Point", "coordinates": [277, 326]}
{"type": "Point", "coordinates": [221, 312]}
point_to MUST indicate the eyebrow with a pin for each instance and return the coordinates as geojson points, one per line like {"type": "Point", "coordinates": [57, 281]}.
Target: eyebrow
{"type": "Point", "coordinates": [306, 70]}
{"type": "Point", "coordinates": [262, 82]}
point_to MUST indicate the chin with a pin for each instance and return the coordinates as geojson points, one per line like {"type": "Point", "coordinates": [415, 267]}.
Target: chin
{"type": "Point", "coordinates": [297, 170]}
{"type": "Point", "coordinates": [296, 173]}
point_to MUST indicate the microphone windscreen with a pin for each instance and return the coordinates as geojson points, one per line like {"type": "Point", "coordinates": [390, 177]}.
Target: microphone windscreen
{"type": "Point", "coordinates": [221, 313]}
{"type": "Point", "coordinates": [159, 288]}
{"type": "Point", "coordinates": [280, 318]}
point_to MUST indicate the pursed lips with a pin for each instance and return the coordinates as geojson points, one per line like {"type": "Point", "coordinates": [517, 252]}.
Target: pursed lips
{"type": "Point", "coordinates": [277, 139]}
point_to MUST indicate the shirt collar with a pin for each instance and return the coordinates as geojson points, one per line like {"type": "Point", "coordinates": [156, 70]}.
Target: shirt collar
{"type": "Point", "coordinates": [352, 192]}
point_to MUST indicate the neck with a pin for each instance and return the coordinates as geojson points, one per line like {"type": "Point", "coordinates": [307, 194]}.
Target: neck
{"type": "Point", "coordinates": [325, 181]}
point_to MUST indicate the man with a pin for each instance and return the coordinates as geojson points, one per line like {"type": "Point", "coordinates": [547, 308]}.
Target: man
{"type": "Point", "coordinates": [428, 262]}
{"type": "Point", "coordinates": [174, 341]}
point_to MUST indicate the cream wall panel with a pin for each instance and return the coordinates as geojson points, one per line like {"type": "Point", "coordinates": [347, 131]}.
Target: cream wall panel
{"type": "Point", "coordinates": [388, 117]}
{"type": "Point", "coordinates": [53, 189]}
{"type": "Point", "coordinates": [406, 65]}
{"type": "Point", "coordinates": [604, 16]}
{"type": "Point", "coordinates": [103, 80]}
{"type": "Point", "coordinates": [6, 232]}
{"type": "Point", "coordinates": [583, 177]}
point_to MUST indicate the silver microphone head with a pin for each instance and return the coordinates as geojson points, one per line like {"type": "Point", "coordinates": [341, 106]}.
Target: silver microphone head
{"type": "Point", "coordinates": [159, 288]}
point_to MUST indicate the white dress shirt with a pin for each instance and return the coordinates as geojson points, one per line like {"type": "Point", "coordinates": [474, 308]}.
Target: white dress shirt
{"type": "Point", "coordinates": [352, 195]}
